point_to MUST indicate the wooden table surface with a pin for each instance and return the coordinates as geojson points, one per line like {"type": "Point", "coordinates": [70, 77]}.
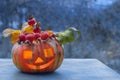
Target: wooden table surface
{"type": "Point", "coordinates": [71, 69]}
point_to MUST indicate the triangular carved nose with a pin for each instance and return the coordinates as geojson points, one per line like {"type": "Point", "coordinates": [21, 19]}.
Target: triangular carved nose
{"type": "Point", "coordinates": [39, 60]}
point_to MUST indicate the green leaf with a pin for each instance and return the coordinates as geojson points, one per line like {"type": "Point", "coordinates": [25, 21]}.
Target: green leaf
{"type": "Point", "coordinates": [68, 35]}
{"type": "Point", "coordinates": [74, 29]}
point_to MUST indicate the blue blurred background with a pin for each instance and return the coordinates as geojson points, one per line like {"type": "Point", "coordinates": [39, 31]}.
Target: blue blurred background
{"type": "Point", "coordinates": [98, 20]}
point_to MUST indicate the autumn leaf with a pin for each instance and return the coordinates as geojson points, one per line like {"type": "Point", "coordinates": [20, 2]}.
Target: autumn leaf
{"type": "Point", "coordinates": [15, 35]}
{"type": "Point", "coordinates": [68, 35]}
{"type": "Point", "coordinates": [27, 28]}
{"type": "Point", "coordinates": [7, 32]}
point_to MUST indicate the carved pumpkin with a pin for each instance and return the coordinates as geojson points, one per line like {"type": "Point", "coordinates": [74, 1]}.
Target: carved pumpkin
{"type": "Point", "coordinates": [35, 50]}
{"type": "Point", "coordinates": [45, 56]}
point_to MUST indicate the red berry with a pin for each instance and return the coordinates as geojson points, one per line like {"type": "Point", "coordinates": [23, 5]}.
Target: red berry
{"type": "Point", "coordinates": [31, 21]}
{"type": "Point", "coordinates": [36, 35]}
{"type": "Point", "coordinates": [30, 37]}
{"type": "Point", "coordinates": [53, 35]}
{"type": "Point", "coordinates": [26, 33]}
{"type": "Point", "coordinates": [37, 30]}
{"type": "Point", "coordinates": [22, 37]}
{"type": "Point", "coordinates": [44, 36]}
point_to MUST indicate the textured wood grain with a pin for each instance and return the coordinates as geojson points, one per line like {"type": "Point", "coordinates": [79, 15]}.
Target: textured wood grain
{"type": "Point", "coordinates": [71, 69]}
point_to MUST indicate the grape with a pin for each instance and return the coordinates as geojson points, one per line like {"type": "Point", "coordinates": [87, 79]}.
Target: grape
{"type": "Point", "coordinates": [36, 35]}
{"type": "Point", "coordinates": [22, 37]}
{"type": "Point", "coordinates": [30, 37]}
{"type": "Point", "coordinates": [31, 21]}
{"type": "Point", "coordinates": [37, 30]}
{"type": "Point", "coordinates": [44, 35]}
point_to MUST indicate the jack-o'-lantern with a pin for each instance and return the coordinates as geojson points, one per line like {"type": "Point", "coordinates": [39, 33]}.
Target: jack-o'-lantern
{"type": "Point", "coordinates": [38, 57]}
{"type": "Point", "coordinates": [37, 51]}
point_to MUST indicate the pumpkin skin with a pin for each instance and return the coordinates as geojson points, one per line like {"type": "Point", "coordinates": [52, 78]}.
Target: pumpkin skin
{"type": "Point", "coordinates": [38, 57]}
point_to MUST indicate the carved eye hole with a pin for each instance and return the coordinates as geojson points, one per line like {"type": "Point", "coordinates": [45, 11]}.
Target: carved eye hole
{"type": "Point", "coordinates": [27, 54]}
{"type": "Point", "coordinates": [48, 52]}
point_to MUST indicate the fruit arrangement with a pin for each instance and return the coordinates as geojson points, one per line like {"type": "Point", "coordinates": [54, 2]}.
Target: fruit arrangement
{"type": "Point", "coordinates": [35, 50]}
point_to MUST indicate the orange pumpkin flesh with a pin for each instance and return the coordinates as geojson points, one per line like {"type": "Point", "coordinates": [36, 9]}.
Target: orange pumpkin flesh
{"type": "Point", "coordinates": [45, 56]}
